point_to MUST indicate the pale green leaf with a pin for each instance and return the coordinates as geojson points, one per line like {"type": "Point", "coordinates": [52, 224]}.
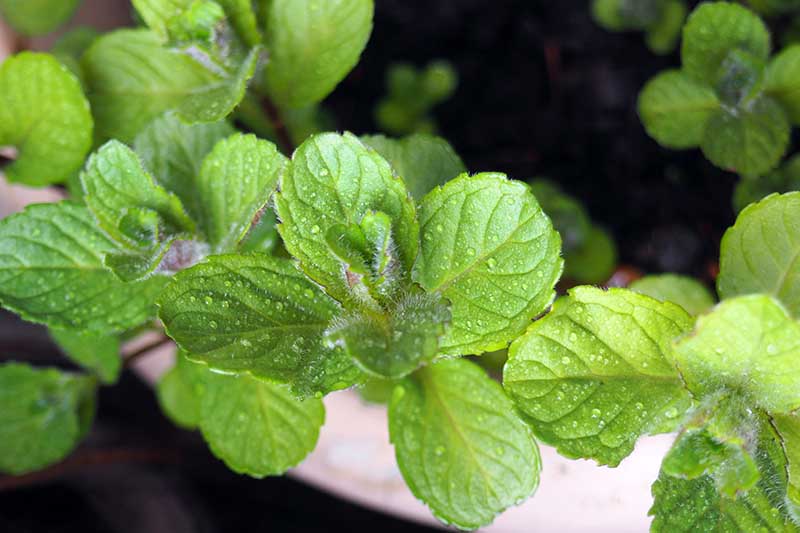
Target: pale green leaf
{"type": "Point", "coordinates": [393, 344]}
{"type": "Point", "coordinates": [36, 17]}
{"type": "Point", "coordinates": [132, 80]}
{"type": "Point", "coordinates": [596, 373]}
{"type": "Point", "coordinates": [687, 292]}
{"type": "Point", "coordinates": [157, 13]}
{"type": "Point", "coordinates": [43, 415]}
{"type": "Point", "coordinates": [423, 161]}
{"type": "Point", "coordinates": [675, 109]}
{"type": "Point", "coordinates": [782, 81]}
{"type": "Point", "coordinates": [748, 344]}
{"type": "Point", "coordinates": [313, 45]}
{"type": "Point", "coordinates": [51, 271]}
{"type": "Point", "coordinates": [259, 315]}
{"type": "Point", "coordinates": [173, 152]}
{"type": "Point", "coordinates": [459, 444]}
{"type": "Point", "coordinates": [788, 427]}
{"type": "Point", "coordinates": [759, 254]}
{"type": "Point", "coordinates": [179, 391]}
{"type": "Point", "coordinates": [44, 114]}
{"type": "Point", "coordinates": [749, 140]}
{"type": "Point", "coordinates": [713, 31]}
{"type": "Point", "coordinates": [595, 260]}
{"type": "Point", "coordinates": [489, 249]}
{"type": "Point", "coordinates": [236, 181]}
{"type": "Point", "coordinates": [335, 179]}
{"type": "Point", "coordinates": [96, 352]}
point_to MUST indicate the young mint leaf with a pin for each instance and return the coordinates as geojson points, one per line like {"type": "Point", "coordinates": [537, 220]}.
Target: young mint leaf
{"type": "Point", "coordinates": [43, 415]}
{"type": "Point", "coordinates": [235, 182]}
{"type": "Point", "coordinates": [687, 292]}
{"type": "Point", "coordinates": [788, 427]}
{"type": "Point", "coordinates": [158, 13]}
{"type": "Point", "coordinates": [595, 260]}
{"type": "Point", "coordinates": [713, 31]}
{"type": "Point", "coordinates": [748, 344]}
{"type": "Point", "coordinates": [395, 343]}
{"type": "Point", "coordinates": [459, 444]}
{"type": "Point", "coordinates": [335, 179]}
{"type": "Point", "coordinates": [50, 126]}
{"type": "Point", "coordinates": [51, 272]}
{"type": "Point", "coordinates": [490, 250]}
{"type": "Point", "coordinates": [179, 391]}
{"type": "Point", "coordinates": [782, 81]}
{"type": "Point", "coordinates": [750, 140]}
{"type": "Point", "coordinates": [596, 373]}
{"type": "Point", "coordinates": [663, 35]}
{"type": "Point", "coordinates": [697, 505]}
{"type": "Point", "coordinates": [423, 161]}
{"type": "Point", "coordinates": [259, 315]}
{"type": "Point", "coordinates": [132, 80]}
{"type": "Point", "coordinates": [96, 352]}
{"type": "Point", "coordinates": [257, 428]}
{"type": "Point", "coordinates": [676, 109]}
{"type": "Point", "coordinates": [173, 152]}
{"type": "Point", "coordinates": [313, 45]}
{"type": "Point", "coordinates": [37, 17]}
{"type": "Point", "coordinates": [759, 253]}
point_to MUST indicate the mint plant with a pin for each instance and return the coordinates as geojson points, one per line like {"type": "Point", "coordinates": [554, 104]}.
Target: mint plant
{"type": "Point", "coordinates": [606, 367]}
{"type": "Point", "coordinates": [660, 20]}
{"type": "Point", "coordinates": [730, 97]}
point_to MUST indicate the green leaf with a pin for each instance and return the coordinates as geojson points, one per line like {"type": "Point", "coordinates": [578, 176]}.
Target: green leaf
{"type": "Point", "coordinates": [393, 344]}
{"type": "Point", "coordinates": [96, 352]}
{"type": "Point", "coordinates": [235, 182]}
{"type": "Point", "coordinates": [663, 35]}
{"type": "Point", "coordinates": [607, 14]}
{"type": "Point", "coordinates": [179, 392]}
{"type": "Point", "coordinates": [596, 373]}
{"type": "Point", "coordinates": [759, 254]}
{"type": "Point", "coordinates": [675, 109]}
{"type": "Point", "coordinates": [313, 45]}
{"type": "Point", "coordinates": [37, 17]}
{"type": "Point", "coordinates": [788, 427]}
{"type": "Point", "coordinates": [259, 315]}
{"type": "Point", "coordinates": [595, 260]}
{"type": "Point", "coordinates": [750, 141]}
{"type": "Point", "coordinates": [784, 179]}
{"type": "Point", "coordinates": [243, 18]}
{"type": "Point", "coordinates": [687, 292]}
{"type": "Point", "coordinates": [335, 179]}
{"type": "Point", "coordinates": [489, 249]}
{"type": "Point", "coordinates": [460, 446]}
{"type": "Point", "coordinates": [43, 415]}
{"type": "Point", "coordinates": [781, 81]}
{"type": "Point", "coordinates": [70, 48]}
{"type": "Point", "coordinates": [158, 13]}
{"type": "Point", "coordinates": [567, 214]}
{"type": "Point", "coordinates": [713, 31]}
{"type": "Point", "coordinates": [173, 152]}
{"type": "Point", "coordinates": [132, 80]}
{"type": "Point", "coordinates": [697, 505]}
{"type": "Point", "coordinates": [423, 161]}
{"type": "Point", "coordinates": [44, 114]}
{"type": "Point", "coordinates": [257, 428]}
{"type": "Point", "coordinates": [748, 344]}
{"type": "Point", "coordinates": [51, 272]}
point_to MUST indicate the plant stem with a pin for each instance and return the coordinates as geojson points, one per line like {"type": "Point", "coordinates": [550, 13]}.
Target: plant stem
{"type": "Point", "coordinates": [281, 132]}
{"type": "Point", "coordinates": [144, 350]}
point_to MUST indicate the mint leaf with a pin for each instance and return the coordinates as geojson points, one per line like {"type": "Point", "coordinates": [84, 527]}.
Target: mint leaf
{"type": "Point", "coordinates": [423, 161]}
{"type": "Point", "coordinates": [335, 179]}
{"type": "Point", "coordinates": [748, 344]}
{"type": "Point", "coordinates": [595, 260]}
{"type": "Point", "coordinates": [788, 428]}
{"type": "Point", "coordinates": [313, 45]}
{"type": "Point", "coordinates": [157, 14]}
{"type": "Point", "coordinates": [393, 344]}
{"type": "Point", "coordinates": [676, 109]}
{"type": "Point", "coordinates": [235, 182]}
{"type": "Point", "coordinates": [259, 315]}
{"type": "Point", "coordinates": [37, 17]}
{"type": "Point", "coordinates": [713, 31]}
{"type": "Point", "coordinates": [759, 253]}
{"type": "Point", "coordinates": [43, 415]}
{"type": "Point", "coordinates": [51, 127]}
{"type": "Point", "coordinates": [663, 35]}
{"type": "Point", "coordinates": [257, 428]}
{"type": "Point", "coordinates": [179, 391]}
{"type": "Point", "coordinates": [96, 352]}
{"type": "Point", "coordinates": [51, 272]}
{"type": "Point", "coordinates": [569, 217]}
{"type": "Point", "coordinates": [243, 18]}
{"type": "Point", "coordinates": [69, 49]}
{"type": "Point", "coordinates": [750, 140]}
{"type": "Point", "coordinates": [781, 81]}
{"type": "Point", "coordinates": [687, 292]}
{"type": "Point", "coordinates": [489, 249]}
{"type": "Point", "coordinates": [784, 179]}
{"type": "Point", "coordinates": [173, 152]}
{"type": "Point", "coordinates": [132, 80]}
{"type": "Point", "coordinates": [596, 373]}
{"type": "Point", "coordinates": [460, 446]}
